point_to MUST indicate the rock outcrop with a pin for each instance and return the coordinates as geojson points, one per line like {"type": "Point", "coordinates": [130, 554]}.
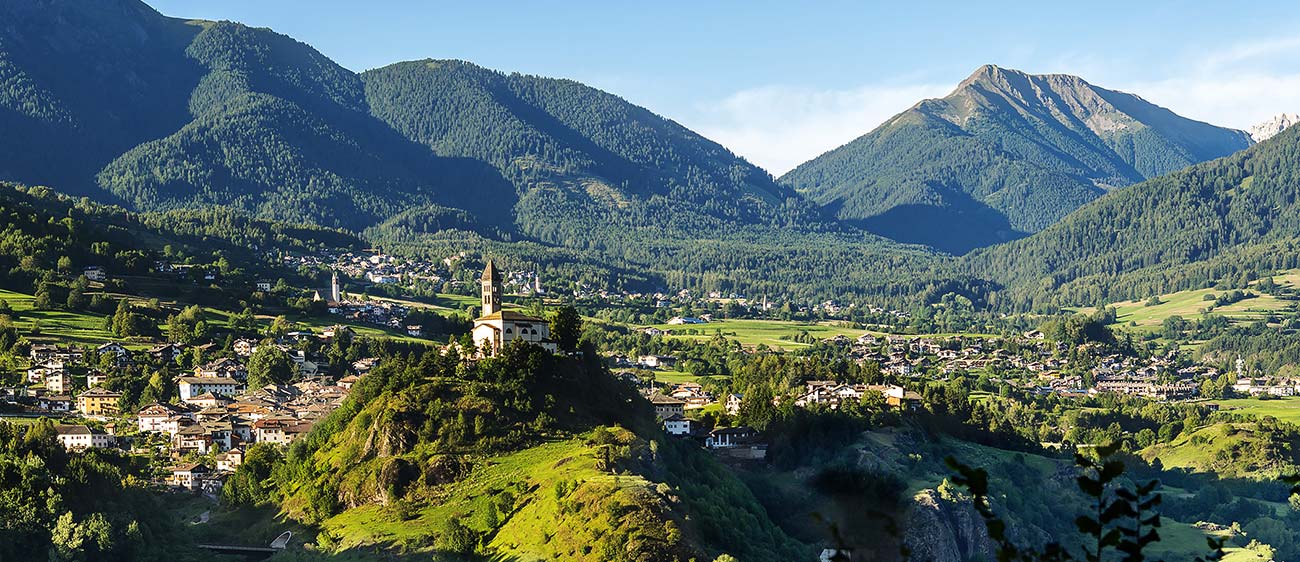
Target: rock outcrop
{"type": "Point", "coordinates": [1277, 124]}
{"type": "Point", "coordinates": [939, 530]}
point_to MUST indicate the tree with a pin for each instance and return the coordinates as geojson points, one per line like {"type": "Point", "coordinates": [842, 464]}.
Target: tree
{"type": "Point", "coordinates": [269, 365]}
{"type": "Point", "coordinates": [566, 328]}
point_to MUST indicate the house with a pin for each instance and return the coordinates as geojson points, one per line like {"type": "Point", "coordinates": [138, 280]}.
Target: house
{"type": "Point", "coordinates": [414, 330]}
{"type": "Point", "coordinates": [157, 418]}
{"type": "Point", "coordinates": [95, 273]}
{"type": "Point", "coordinates": [263, 285]}
{"type": "Point", "coordinates": [732, 404]}
{"type": "Point", "coordinates": [98, 402]}
{"type": "Point", "coordinates": [666, 406]}
{"type": "Point", "coordinates": [346, 382]}
{"type": "Point", "coordinates": [192, 439]}
{"type": "Point", "coordinates": [496, 328]}
{"type": "Point", "coordinates": [167, 352]}
{"type": "Point", "coordinates": [224, 367]}
{"type": "Point", "coordinates": [677, 424]}
{"type": "Point", "coordinates": [37, 373]}
{"type": "Point", "coordinates": [96, 378]}
{"type": "Point", "coordinates": [192, 387]}
{"type": "Point", "coordinates": [55, 403]}
{"type": "Point", "coordinates": [58, 382]}
{"type": "Point", "coordinates": [243, 347]}
{"type": "Point", "coordinates": [724, 437]}
{"type": "Point", "coordinates": [188, 476]}
{"type": "Point", "coordinates": [80, 438]}
{"type": "Point", "coordinates": [121, 355]}
{"type": "Point", "coordinates": [279, 430]}
{"type": "Point", "coordinates": [208, 400]}
{"type": "Point", "coordinates": [230, 460]}
{"type": "Point", "coordinates": [657, 361]}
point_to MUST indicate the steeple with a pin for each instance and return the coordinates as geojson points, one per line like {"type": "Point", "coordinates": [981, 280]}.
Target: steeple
{"type": "Point", "coordinates": [491, 284]}
{"type": "Point", "coordinates": [335, 294]}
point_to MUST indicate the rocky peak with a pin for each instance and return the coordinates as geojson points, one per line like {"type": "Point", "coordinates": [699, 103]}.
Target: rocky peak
{"type": "Point", "coordinates": [1273, 126]}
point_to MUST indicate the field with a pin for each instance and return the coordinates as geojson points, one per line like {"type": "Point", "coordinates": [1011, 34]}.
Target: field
{"type": "Point", "coordinates": [64, 327]}
{"type": "Point", "coordinates": [88, 329]}
{"type": "Point", "coordinates": [1284, 409]}
{"type": "Point", "coordinates": [1137, 315]}
{"type": "Point", "coordinates": [752, 333]}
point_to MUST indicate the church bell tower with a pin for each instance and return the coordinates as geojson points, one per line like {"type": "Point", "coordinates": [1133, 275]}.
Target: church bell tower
{"type": "Point", "coordinates": [491, 283]}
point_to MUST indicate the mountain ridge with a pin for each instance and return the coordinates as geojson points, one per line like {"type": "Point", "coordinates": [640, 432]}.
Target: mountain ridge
{"type": "Point", "coordinates": [1004, 154]}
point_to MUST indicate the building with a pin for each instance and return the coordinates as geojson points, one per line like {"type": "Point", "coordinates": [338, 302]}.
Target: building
{"type": "Point", "coordinates": [496, 328]}
{"type": "Point", "coordinates": [80, 438]}
{"type": "Point", "coordinates": [157, 418]}
{"type": "Point", "coordinates": [98, 402]}
{"type": "Point", "coordinates": [732, 404]}
{"type": "Point", "coordinates": [230, 460]}
{"type": "Point", "coordinates": [95, 273]}
{"type": "Point", "coordinates": [188, 476]}
{"type": "Point", "coordinates": [724, 437]}
{"type": "Point", "coordinates": [58, 382]}
{"type": "Point", "coordinates": [667, 406]}
{"type": "Point", "coordinates": [96, 378]}
{"type": "Point", "coordinates": [677, 424]}
{"type": "Point", "coordinates": [279, 430]}
{"type": "Point", "coordinates": [191, 387]}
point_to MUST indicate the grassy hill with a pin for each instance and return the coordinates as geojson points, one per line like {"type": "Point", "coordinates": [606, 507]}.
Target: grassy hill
{"type": "Point", "coordinates": [526, 455]}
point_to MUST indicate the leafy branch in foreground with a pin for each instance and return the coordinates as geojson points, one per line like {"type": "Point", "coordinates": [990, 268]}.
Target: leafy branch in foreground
{"type": "Point", "coordinates": [1123, 520]}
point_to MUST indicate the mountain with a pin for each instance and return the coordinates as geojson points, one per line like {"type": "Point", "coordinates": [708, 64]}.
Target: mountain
{"type": "Point", "coordinates": [1005, 154]}
{"type": "Point", "coordinates": [1268, 129]}
{"type": "Point", "coordinates": [1227, 220]}
{"type": "Point", "coordinates": [165, 113]}
{"type": "Point", "coordinates": [578, 157]}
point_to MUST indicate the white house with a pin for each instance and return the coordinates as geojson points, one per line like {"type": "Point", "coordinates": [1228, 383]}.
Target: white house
{"type": "Point", "coordinates": [80, 438]}
{"type": "Point", "coordinates": [677, 424]}
{"type": "Point", "coordinates": [192, 387]}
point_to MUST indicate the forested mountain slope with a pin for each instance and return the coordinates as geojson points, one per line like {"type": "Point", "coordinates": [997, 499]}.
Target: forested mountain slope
{"type": "Point", "coordinates": [578, 157]}
{"type": "Point", "coordinates": [1007, 153]}
{"type": "Point", "coordinates": [1235, 215]}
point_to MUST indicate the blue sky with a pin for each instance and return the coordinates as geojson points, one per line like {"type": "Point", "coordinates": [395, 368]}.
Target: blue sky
{"type": "Point", "coordinates": [781, 82]}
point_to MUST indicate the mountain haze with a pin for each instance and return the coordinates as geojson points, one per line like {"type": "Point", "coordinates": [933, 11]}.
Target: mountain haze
{"type": "Point", "coordinates": [1005, 154]}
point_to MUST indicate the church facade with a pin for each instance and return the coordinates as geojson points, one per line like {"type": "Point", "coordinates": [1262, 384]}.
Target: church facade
{"type": "Point", "coordinates": [496, 327]}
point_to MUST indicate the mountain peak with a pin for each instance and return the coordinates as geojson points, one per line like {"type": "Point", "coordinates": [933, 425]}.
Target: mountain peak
{"type": "Point", "coordinates": [1267, 129]}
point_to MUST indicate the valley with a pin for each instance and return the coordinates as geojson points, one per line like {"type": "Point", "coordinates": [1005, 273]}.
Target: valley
{"type": "Point", "coordinates": [258, 301]}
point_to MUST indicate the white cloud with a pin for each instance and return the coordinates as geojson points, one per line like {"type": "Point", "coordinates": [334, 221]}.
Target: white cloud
{"type": "Point", "coordinates": [1228, 100]}
{"type": "Point", "coordinates": [780, 127]}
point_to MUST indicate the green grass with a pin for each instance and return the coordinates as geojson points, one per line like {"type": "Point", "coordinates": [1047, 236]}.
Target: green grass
{"type": "Point", "coordinates": [56, 325]}
{"type": "Point", "coordinates": [1284, 409]}
{"type": "Point", "coordinates": [751, 333]}
{"type": "Point", "coordinates": [543, 466]}
{"type": "Point", "coordinates": [1189, 304]}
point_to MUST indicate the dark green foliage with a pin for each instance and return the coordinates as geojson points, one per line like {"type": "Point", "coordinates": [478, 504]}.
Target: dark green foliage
{"type": "Point", "coordinates": [76, 507]}
{"type": "Point", "coordinates": [1231, 219]}
{"type": "Point", "coordinates": [1007, 153]}
{"type": "Point", "coordinates": [1123, 520]}
{"type": "Point", "coordinates": [269, 365]}
{"type": "Point", "coordinates": [566, 327]}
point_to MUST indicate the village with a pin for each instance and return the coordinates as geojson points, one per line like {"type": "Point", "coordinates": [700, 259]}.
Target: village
{"type": "Point", "coordinates": [216, 414]}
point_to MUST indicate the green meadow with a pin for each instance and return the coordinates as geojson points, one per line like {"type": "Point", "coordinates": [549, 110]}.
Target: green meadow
{"type": "Point", "coordinates": [1284, 409]}
{"type": "Point", "coordinates": [752, 333]}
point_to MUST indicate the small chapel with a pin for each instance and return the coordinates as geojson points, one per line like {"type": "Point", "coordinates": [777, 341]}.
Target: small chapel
{"type": "Point", "coordinates": [497, 327]}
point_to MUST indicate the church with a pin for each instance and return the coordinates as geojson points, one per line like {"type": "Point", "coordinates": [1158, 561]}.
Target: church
{"type": "Point", "coordinates": [497, 327]}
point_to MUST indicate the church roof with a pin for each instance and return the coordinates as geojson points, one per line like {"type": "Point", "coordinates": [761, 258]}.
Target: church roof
{"type": "Point", "coordinates": [510, 316]}
{"type": "Point", "coordinates": [490, 272]}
